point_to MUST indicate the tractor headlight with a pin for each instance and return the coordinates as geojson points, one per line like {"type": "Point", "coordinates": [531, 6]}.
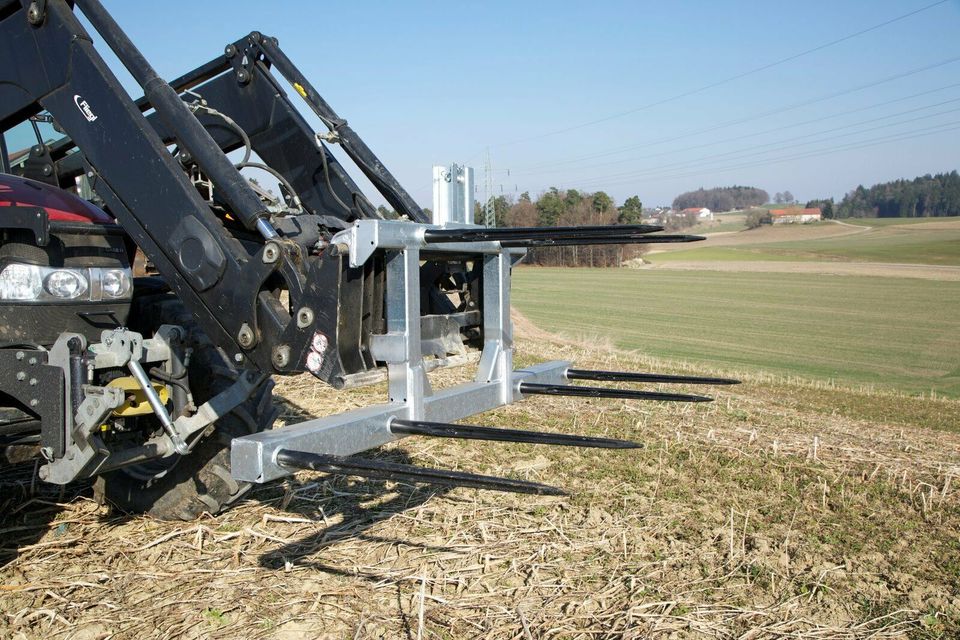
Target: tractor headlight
{"type": "Point", "coordinates": [31, 283]}
{"type": "Point", "coordinates": [116, 283]}
{"type": "Point", "coordinates": [21, 282]}
{"type": "Point", "coordinates": [66, 284]}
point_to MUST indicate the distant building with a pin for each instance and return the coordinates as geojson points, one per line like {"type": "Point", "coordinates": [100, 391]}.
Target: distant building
{"type": "Point", "coordinates": [702, 212]}
{"type": "Point", "coordinates": [795, 215]}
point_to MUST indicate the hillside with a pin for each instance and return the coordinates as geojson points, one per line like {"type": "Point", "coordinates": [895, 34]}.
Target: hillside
{"type": "Point", "coordinates": [932, 241]}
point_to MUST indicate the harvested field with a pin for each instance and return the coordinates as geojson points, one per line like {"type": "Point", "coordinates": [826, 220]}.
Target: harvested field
{"type": "Point", "coordinates": [892, 333]}
{"type": "Point", "coordinates": [929, 242]}
{"type": "Point", "coordinates": [948, 273]}
{"type": "Point", "coordinates": [771, 233]}
{"type": "Point", "coordinates": [781, 510]}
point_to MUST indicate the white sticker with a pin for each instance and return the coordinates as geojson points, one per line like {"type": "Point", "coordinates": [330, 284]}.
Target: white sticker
{"type": "Point", "coordinates": [84, 107]}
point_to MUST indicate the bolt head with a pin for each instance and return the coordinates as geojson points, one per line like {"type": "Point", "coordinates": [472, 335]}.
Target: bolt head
{"type": "Point", "coordinates": [281, 356]}
{"type": "Point", "coordinates": [304, 317]}
{"type": "Point", "coordinates": [245, 336]}
{"type": "Point", "coordinates": [271, 252]}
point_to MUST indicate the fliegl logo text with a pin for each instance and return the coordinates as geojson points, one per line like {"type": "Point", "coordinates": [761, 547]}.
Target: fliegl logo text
{"type": "Point", "coordinates": [84, 107]}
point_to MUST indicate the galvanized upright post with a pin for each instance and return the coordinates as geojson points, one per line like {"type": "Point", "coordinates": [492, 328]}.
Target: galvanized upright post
{"type": "Point", "coordinates": [496, 363]}
{"type": "Point", "coordinates": [408, 377]}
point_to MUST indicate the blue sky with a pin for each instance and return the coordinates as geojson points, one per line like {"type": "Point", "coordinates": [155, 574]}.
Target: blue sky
{"type": "Point", "coordinates": [432, 83]}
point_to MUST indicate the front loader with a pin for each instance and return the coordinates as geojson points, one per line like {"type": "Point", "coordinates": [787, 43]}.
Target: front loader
{"type": "Point", "coordinates": [150, 289]}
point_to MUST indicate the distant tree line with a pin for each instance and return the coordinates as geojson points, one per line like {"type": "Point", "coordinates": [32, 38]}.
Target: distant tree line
{"type": "Point", "coordinates": [927, 195]}
{"type": "Point", "coordinates": [722, 198]}
{"type": "Point", "coordinates": [561, 208]}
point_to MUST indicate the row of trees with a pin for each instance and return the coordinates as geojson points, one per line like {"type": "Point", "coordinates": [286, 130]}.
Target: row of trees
{"type": "Point", "coordinates": [783, 198]}
{"type": "Point", "coordinates": [927, 195]}
{"type": "Point", "coordinates": [722, 198]}
{"type": "Point", "coordinates": [561, 208]}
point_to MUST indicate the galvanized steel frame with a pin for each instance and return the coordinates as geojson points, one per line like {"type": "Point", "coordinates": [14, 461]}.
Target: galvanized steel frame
{"type": "Point", "coordinates": [411, 397]}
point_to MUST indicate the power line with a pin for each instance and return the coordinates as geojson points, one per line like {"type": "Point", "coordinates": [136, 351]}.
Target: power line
{"type": "Point", "coordinates": [727, 80]}
{"type": "Point", "coordinates": [766, 131]}
{"type": "Point", "coordinates": [652, 172]}
{"type": "Point", "coordinates": [780, 143]}
{"type": "Point", "coordinates": [918, 133]}
{"type": "Point", "coordinates": [897, 137]}
{"type": "Point", "coordinates": [758, 116]}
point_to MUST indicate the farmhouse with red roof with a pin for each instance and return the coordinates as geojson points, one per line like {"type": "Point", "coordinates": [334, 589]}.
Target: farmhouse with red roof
{"type": "Point", "coordinates": [795, 215]}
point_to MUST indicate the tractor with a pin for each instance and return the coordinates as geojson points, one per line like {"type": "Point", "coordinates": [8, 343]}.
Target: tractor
{"type": "Point", "coordinates": [151, 285]}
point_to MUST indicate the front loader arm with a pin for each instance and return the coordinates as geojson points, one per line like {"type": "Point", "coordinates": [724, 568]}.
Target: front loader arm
{"type": "Point", "coordinates": [231, 286]}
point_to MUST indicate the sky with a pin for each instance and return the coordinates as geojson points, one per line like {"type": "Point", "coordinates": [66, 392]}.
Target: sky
{"type": "Point", "coordinates": [630, 97]}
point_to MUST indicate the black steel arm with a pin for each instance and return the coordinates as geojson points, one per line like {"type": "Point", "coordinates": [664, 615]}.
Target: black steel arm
{"type": "Point", "coordinates": [190, 133]}
{"type": "Point", "coordinates": [231, 286]}
{"type": "Point", "coordinates": [352, 144]}
{"type": "Point", "coordinates": [281, 137]}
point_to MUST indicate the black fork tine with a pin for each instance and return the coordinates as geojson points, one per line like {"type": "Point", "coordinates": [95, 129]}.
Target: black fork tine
{"type": "Point", "coordinates": [470, 432]}
{"type": "Point", "coordinates": [624, 376]}
{"type": "Point", "coordinates": [367, 468]}
{"type": "Point", "coordinates": [601, 392]}
{"type": "Point", "coordinates": [523, 233]}
{"type": "Point", "coordinates": [624, 239]}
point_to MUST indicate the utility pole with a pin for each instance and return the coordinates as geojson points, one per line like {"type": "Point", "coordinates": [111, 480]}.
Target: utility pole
{"type": "Point", "coordinates": [489, 211]}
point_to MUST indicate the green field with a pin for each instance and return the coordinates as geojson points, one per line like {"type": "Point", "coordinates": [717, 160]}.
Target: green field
{"type": "Point", "coordinates": [724, 254]}
{"type": "Point", "coordinates": [892, 222]}
{"type": "Point", "coordinates": [889, 243]}
{"type": "Point", "coordinates": [890, 333]}
{"type": "Point", "coordinates": [719, 226]}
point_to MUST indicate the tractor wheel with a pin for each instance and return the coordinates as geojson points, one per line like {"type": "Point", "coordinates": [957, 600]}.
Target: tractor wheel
{"type": "Point", "coordinates": [184, 487]}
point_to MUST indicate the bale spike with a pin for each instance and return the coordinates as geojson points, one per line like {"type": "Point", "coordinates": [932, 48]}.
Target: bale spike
{"type": "Point", "coordinates": [601, 392]}
{"type": "Point", "coordinates": [525, 233]}
{"type": "Point", "coordinates": [625, 239]}
{"type": "Point", "coordinates": [623, 376]}
{"type": "Point", "coordinates": [383, 470]}
{"type": "Point", "coordinates": [469, 432]}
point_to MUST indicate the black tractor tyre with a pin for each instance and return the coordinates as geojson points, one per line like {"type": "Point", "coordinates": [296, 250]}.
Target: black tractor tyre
{"type": "Point", "coordinates": [199, 482]}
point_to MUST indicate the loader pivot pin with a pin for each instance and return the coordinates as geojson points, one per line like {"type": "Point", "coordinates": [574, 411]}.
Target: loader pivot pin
{"type": "Point", "coordinates": [469, 432]}
{"type": "Point", "coordinates": [383, 470]}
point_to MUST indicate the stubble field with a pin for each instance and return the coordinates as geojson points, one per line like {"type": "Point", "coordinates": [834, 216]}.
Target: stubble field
{"type": "Point", "coordinates": [780, 510]}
